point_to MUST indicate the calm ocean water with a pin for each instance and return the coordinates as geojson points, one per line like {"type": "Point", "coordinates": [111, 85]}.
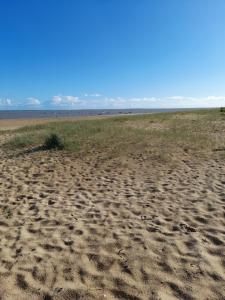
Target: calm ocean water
{"type": "Point", "coordinates": [36, 114]}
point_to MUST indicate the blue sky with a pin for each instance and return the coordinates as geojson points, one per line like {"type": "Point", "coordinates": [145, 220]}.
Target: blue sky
{"type": "Point", "coordinates": [111, 53]}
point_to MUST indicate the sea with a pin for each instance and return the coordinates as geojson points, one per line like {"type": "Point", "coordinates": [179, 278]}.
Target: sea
{"type": "Point", "coordinates": [38, 114]}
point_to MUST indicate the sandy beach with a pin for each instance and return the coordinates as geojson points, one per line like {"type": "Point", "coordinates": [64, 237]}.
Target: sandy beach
{"type": "Point", "coordinates": [88, 228]}
{"type": "Point", "coordinates": [12, 124]}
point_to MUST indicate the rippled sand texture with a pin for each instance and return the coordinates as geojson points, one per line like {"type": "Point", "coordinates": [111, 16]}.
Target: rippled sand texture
{"type": "Point", "coordinates": [73, 229]}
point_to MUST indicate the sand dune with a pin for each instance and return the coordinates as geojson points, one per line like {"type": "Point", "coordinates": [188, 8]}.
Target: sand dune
{"type": "Point", "coordinates": [82, 229]}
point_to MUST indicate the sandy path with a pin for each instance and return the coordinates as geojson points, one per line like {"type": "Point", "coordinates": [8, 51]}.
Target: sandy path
{"type": "Point", "coordinates": [71, 229]}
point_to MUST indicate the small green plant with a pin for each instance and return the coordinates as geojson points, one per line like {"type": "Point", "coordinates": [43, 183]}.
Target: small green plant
{"type": "Point", "coordinates": [7, 212]}
{"type": "Point", "coordinates": [222, 109]}
{"type": "Point", "coordinates": [53, 141]}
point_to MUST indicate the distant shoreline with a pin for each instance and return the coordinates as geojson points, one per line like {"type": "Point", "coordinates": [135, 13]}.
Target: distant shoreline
{"type": "Point", "coordinates": [11, 120]}
{"type": "Point", "coordinates": [47, 114]}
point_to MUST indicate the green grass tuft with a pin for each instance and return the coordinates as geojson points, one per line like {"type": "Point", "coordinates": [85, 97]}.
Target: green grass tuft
{"type": "Point", "coordinates": [53, 141]}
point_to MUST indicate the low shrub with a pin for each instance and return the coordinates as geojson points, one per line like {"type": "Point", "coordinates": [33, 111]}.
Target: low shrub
{"type": "Point", "coordinates": [53, 141]}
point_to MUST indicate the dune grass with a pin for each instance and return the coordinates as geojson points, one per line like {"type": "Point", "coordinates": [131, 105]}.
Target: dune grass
{"type": "Point", "coordinates": [163, 133]}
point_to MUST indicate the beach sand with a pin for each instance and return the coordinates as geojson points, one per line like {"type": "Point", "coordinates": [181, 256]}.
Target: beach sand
{"type": "Point", "coordinates": [91, 229]}
{"type": "Point", "coordinates": [12, 124]}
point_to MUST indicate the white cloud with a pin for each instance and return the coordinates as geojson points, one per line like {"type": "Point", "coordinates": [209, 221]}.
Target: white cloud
{"type": "Point", "coordinates": [8, 101]}
{"type": "Point", "coordinates": [210, 101]}
{"type": "Point", "coordinates": [5, 102]}
{"type": "Point", "coordinates": [65, 100]}
{"type": "Point", "coordinates": [95, 95]}
{"type": "Point", "coordinates": [71, 99]}
{"type": "Point", "coordinates": [92, 95]}
{"type": "Point", "coordinates": [33, 101]}
{"type": "Point", "coordinates": [156, 102]}
{"type": "Point", "coordinates": [56, 99]}
{"type": "Point", "coordinates": [141, 102]}
{"type": "Point", "coordinates": [98, 101]}
{"type": "Point", "coordinates": [117, 102]}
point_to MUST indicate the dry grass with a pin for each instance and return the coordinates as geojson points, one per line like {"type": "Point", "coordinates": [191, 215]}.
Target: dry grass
{"type": "Point", "coordinates": [166, 135]}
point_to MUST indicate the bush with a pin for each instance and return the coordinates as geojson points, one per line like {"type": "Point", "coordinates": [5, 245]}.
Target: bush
{"type": "Point", "coordinates": [53, 141]}
{"type": "Point", "coordinates": [222, 109]}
